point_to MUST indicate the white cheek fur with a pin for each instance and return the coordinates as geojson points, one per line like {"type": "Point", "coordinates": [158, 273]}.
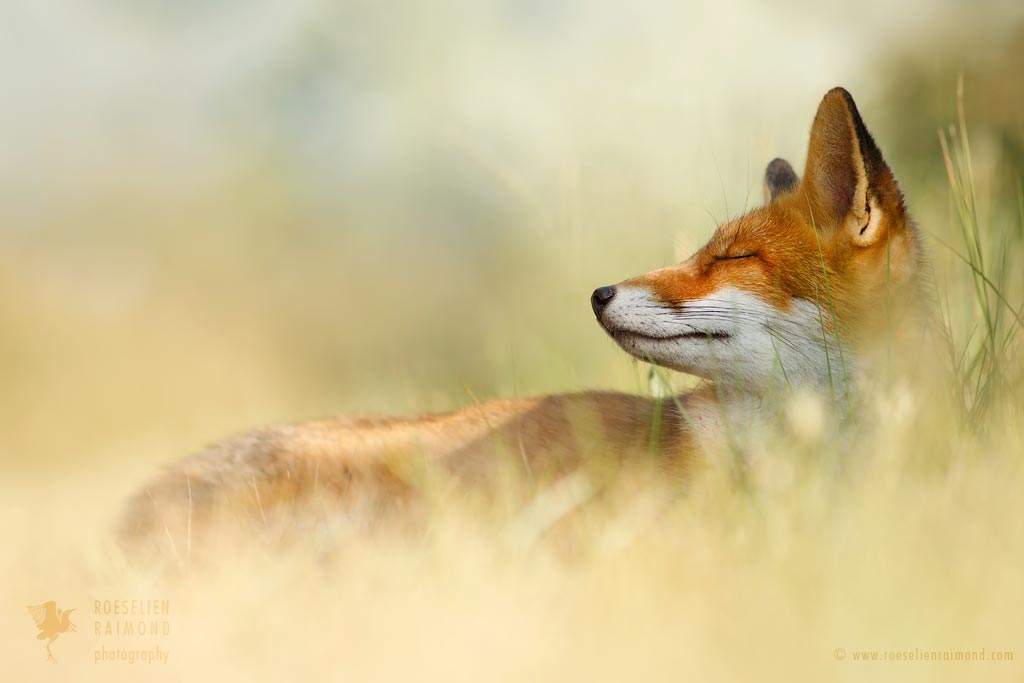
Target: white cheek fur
{"type": "Point", "coordinates": [764, 343]}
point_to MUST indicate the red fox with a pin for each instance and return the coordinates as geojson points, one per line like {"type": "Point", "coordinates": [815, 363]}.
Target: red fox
{"type": "Point", "coordinates": [796, 291]}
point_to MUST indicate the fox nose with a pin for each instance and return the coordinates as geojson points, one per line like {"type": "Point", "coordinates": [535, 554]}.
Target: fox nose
{"type": "Point", "coordinates": [601, 297]}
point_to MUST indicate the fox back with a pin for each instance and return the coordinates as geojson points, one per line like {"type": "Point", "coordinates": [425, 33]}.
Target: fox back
{"type": "Point", "coordinates": [797, 293]}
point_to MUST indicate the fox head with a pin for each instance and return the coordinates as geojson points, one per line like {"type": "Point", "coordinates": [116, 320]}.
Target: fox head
{"type": "Point", "coordinates": [790, 290]}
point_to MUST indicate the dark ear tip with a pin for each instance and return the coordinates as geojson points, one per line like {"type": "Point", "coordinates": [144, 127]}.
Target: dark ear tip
{"type": "Point", "coordinates": [778, 167]}
{"type": "Point", "coordinates": [839, 98]}
{"type": "Point", "coordinates": [839, 91]}
{"type": "Point", "coordinates": [779, 177]}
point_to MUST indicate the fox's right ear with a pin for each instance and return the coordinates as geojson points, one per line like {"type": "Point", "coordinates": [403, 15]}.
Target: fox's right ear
{"type": "Point", "coordinates": [848, 186]}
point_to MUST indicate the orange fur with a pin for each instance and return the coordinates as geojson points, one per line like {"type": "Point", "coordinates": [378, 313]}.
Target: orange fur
{"type": "Point", "coordinates": [802, 238]}
{"type": "Point", "coordinates": [841, 233]}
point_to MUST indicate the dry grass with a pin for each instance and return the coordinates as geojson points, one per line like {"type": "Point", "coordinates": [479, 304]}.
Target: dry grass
{"type": "Point", "coordinates": [136, 330]}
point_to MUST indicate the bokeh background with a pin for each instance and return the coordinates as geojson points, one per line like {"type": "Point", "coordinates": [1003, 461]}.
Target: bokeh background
{"type": "Point", "coordinates": [223, 214]}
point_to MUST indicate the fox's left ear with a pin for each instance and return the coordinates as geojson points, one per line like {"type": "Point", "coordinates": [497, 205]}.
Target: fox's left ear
{"type": "Point", "coordinates": [847, 183]}
{"type": "Point", "coordinates": [779, 178]}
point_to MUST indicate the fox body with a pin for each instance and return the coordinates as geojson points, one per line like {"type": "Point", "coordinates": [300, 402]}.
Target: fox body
{"type": "Point", "coordinates": [795, 292]}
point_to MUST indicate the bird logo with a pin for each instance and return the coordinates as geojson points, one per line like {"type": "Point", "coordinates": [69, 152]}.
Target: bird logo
{"type": "Point", "coordinates": [51, 622]}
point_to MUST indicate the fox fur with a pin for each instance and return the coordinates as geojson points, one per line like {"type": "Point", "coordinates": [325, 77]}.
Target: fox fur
{"type": "Point", "coordinates": [809, 282]}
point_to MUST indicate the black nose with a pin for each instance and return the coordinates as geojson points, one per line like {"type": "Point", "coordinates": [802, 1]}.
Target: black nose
{"type": "Point", "coordinates": [601, 297]}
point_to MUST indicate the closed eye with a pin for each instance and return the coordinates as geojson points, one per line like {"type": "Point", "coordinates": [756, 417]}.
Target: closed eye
{"type": "Point", "coordinates": [734, 258]}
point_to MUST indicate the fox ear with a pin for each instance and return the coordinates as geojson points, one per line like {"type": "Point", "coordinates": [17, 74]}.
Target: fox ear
{"type": "Point", "coordinates": [848, 185]}
{"type": "Point", "coordinates": [779, 178]}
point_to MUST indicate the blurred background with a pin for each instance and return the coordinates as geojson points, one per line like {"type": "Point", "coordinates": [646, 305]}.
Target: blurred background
{"type": "Point", "coordinates": [220, 214]}
{"type": "Point", "coordinates": [229, 213]}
